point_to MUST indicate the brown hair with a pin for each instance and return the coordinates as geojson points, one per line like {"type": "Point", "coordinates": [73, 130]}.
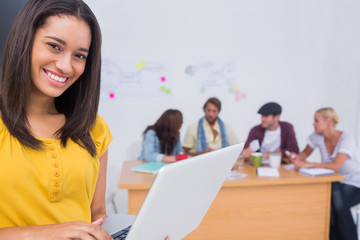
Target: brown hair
{"type": "Point", "coordinates": [167, 130]}
{"type": "Point", "coordinates": [329, 113]}
{"type": "Point", "coordinates": [213, 100]}
{"type": "Point", "coordinates": [79, 103]}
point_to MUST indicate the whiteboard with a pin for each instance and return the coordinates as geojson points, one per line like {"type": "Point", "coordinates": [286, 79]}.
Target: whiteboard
{"type": "Point", "coordinates": [303, 54]}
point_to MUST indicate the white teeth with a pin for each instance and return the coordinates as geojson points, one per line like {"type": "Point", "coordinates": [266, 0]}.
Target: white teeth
{"type": "Point", "coordinates": [56, 78]}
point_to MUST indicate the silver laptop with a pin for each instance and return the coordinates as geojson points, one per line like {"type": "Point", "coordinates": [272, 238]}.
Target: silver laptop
{"type": "Point", "coordinates": [180, 196]}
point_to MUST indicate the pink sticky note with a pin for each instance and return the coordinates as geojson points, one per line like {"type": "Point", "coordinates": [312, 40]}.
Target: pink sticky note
{"type": "Point", "coordinates": [163, 79]}
{"type": "Point", "coordinates": [111, 95]}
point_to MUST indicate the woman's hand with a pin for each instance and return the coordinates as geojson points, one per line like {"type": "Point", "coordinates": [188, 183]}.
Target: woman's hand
{"type": "Point", "coordinates": [301, 164]}
{"type": "Point", "coordinates": [169, 159]}
{"type": "Point", "coordinates": [69, 231]}
{"type": "Point", "coordinates": [297, 164]}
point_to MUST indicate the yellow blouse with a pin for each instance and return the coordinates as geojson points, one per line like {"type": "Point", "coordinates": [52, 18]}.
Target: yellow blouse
{"type": "Point", "coordinates": [48, 186]}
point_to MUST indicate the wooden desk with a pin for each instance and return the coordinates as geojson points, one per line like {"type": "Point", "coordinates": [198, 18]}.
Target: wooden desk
{"type": "Point", "coordinates": [293, 206]}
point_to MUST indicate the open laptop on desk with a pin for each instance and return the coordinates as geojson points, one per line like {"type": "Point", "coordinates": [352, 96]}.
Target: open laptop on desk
{"type": "Point", "coordinates": [180, 196]}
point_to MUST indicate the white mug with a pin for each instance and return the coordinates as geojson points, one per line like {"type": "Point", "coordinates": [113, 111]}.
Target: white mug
{"type": "Point", "coordinates": [275, 160]}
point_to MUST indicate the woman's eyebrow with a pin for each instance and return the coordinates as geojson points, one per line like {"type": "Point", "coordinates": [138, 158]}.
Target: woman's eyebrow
{"type": "Point", "coordinates": [57, 39]}
{"type": "Point", "coordinates": [84, 50]}
{"type": "Point", "coordinates": [64, 43]}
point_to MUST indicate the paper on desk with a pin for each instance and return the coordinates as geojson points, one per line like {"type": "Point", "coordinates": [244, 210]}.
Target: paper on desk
{"type": "Point", "coordinates": [289, 166]}
{"type": "Point", "coordinates": [267, 172]}
{"type": "Point", "coordinates": [316, 171]}
{"type": "Point", "coordinates": [235, 175]}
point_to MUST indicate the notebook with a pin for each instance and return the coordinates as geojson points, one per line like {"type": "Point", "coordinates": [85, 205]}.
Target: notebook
{"type": "Point", "coordinates": [316, 171]}
{"type": "Point", "coordinates": [180, 196]}
{"type": "Point", "coordinates": [150, 167]}
{"type": "Point", "coordinates": [267, 172]}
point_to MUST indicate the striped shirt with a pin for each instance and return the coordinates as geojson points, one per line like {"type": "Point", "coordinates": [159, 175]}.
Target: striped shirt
{"type": "Point", "coordinates": [346, 144]}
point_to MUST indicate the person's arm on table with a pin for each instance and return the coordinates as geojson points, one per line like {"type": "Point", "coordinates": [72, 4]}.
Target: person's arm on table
{"type": "Point", "coordinates": [335, 165]}
{"type": "Point", "coordinates": [299, 160]}
{"type": "Point", "coordinates": [187, 151]}
{"type": "Point", "coordinates": [247, 153]}
{"type": "Point", "coordinates": [250, 147]}
{"type": "Point", "coordinates": [169, 159]}
{"type": "Point", "coordinates": [252, 144]}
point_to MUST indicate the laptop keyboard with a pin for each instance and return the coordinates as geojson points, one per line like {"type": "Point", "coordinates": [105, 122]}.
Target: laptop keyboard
{"type": "Point", "coordinates": [121, 235]}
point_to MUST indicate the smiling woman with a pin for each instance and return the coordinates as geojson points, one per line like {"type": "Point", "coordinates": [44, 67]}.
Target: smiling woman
{"type": "Point", "coordinates": [59, 54]}
{"type": "Point", "coordinates": [53, 143]}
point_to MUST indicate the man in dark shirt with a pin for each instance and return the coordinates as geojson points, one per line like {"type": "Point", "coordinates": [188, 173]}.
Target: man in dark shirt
{"type": "Point", "coordinates": [271, 136]}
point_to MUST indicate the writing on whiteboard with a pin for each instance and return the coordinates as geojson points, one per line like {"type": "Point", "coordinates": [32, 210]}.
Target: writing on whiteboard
{"type": "Point", "coordinates": [135, 79]}
{"type": "Point", "coordinates": [216, 76]}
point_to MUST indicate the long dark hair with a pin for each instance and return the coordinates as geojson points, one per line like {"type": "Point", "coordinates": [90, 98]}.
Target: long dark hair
{"type": "Point", "coordinates": [79, 103]}
{"type": "Point", "coordinates": [167, 130]}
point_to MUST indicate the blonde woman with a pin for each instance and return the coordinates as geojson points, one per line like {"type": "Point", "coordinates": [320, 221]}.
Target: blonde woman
{"type": "Point", "coordinates": [337, 150]}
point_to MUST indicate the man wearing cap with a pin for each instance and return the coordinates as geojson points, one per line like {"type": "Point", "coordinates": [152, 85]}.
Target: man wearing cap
{"type": "Point", "coordinates": [272, 135]}
{"type": "Point", "coordinates": [210, 132]}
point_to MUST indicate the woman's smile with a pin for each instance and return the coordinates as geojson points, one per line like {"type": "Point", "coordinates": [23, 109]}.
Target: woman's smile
{"type": "Point", "coordinates": [56, 78]}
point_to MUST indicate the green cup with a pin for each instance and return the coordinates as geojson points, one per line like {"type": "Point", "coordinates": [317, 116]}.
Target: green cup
{"type": "Point", "coordinates": [256, 159]}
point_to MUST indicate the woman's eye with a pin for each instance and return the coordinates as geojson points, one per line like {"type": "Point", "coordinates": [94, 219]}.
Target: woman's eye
{"type": "Point", "coordinates": [54, 46]}
{"type": "Point", "coordinates": [81, 56]}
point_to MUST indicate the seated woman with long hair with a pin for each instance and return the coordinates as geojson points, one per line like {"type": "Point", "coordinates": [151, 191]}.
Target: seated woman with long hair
{"type": "Point", "coordinates": [162, 140]}
{"type": "Point", "coordinates": [337, 149]}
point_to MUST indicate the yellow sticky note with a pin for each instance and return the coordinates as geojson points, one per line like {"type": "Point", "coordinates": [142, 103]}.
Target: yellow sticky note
{"type": "Point", "coordinates": [140, 65]}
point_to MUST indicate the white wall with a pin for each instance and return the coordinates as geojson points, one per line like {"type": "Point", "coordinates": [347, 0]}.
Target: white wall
{"type": "Point", "coordinates": [302, 54]}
